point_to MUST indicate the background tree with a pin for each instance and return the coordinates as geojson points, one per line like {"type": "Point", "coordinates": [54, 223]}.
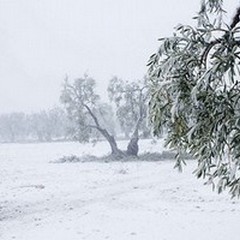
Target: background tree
{"type": "Point", "coordinates": [58, 125]}
{"type": "Point", "coordinates": [41, 126]}
{"type": "Point", "coordinates": [105, 115]}
{"type": "Point", "coordinates": [130, 99]}
{"type": "Point", "coordinates": [13, 127]}
{"type": "Point", "coordinates": [91, 117]}
{"type": "Point", "coordinates": [195, 95]}
{"type": "Point", "coordinates": [83, 107]}
{"type": "Point", "coordinates": [51, 125]}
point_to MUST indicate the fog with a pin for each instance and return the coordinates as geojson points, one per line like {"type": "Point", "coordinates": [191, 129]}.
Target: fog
{"type": "Point", "coordinates": [43, 41]}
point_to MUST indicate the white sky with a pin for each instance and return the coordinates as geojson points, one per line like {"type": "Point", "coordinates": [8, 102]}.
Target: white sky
{"type": "Point", "coordinates": [43, 40]}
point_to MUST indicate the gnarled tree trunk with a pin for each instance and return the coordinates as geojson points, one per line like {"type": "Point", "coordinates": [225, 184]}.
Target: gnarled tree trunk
{"type": "Point", "coordinates": [132, 148]}
{"type": "Point", "coordinates": [115, 151]}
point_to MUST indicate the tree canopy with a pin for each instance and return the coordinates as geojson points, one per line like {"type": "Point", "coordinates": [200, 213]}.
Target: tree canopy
{"type": "Point", "coordinates": [130, 99]}
{"type": "Point", "coordinates": [85, 109]}
{"type": "Point", "coordinates": [195, 95]}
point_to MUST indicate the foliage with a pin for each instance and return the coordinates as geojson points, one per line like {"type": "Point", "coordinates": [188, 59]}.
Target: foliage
{"type": "Point", "coordinates": [76, 97]}
{"type": "Point", "coordinates": [85, 110]}
{"type": "Point", "coordinates": [13, 127]}
{"type": "Point", "coordinates": [105, 114]}
{"type": "Point", "coordinates": [91, 117]}
{"type": "Point", "coordinates": [130, 100]}
{"type": "Point", "coordinates": [41, 126]}
{"type": "Point", "coordinates": [195, 95]}
{"type": "Point", "coordinates": [49, 125]}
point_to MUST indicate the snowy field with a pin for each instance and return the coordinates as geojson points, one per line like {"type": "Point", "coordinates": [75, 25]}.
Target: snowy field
{"type": "Point", "coordinates": [40, 200]}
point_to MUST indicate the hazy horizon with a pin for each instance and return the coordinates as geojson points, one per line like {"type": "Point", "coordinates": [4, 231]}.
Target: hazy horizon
{"type": "Point", "coordinates": [43, 41]}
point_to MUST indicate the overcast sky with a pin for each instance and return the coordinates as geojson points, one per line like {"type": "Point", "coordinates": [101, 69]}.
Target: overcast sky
{"type": "Point", "coordinates": [43, 40]}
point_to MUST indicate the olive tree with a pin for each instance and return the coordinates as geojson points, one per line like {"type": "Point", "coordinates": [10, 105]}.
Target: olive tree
{"type": "Point", "coordinates": [13, 127]}
{"type": "Point", "coordinates": [195, 95]}
{"type": "Point", "coordinates": [84, 108]}
{"type": "Point", "coordinates": [131, 100]}
{"type": "Point", "coordinates": [90, 115]}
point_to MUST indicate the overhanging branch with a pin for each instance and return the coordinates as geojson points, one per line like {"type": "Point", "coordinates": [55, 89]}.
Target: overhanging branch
{"type": "Point", "coordinates": [236, 19]}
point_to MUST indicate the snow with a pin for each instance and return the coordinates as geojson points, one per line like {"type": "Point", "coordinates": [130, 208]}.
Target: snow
{"type": "Point", "coordinates": [40, 200]}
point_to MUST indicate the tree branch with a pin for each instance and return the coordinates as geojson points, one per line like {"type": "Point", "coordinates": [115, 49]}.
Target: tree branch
{"type": "Point", "coordinates": [236, 19]}
{"type": "Point", "coordinates": [93, 126]}
{"type": "Point", "coordinates": [208, 49]}
{"type": "Point", "coordinates": [92, 115]}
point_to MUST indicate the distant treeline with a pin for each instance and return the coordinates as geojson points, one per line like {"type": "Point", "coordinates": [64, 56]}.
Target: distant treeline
{"type": "Point", "coordinates": [55, 125]}
{"type": "Point", "coordinates": [83, 115]}
{"type": "Point", "coordinates": [41, 126]}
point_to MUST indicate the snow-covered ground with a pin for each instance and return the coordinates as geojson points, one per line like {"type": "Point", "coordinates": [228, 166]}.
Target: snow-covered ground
{"type": "Point", "coordinates": [40, 200]}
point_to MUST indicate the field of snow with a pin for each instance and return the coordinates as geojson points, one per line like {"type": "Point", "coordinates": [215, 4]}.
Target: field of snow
{"type": "Point", "coordinates": [40, 200]}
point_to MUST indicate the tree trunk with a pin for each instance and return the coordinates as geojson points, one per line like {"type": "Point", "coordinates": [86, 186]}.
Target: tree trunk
{"type": "Point", "coordinates": [132, 148]}
{"type": "Point", "coordinates": [115, 151]}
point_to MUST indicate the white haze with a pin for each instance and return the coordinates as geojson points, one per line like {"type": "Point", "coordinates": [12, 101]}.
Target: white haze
{"type": "Point", "coordinates": [42, 41]}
